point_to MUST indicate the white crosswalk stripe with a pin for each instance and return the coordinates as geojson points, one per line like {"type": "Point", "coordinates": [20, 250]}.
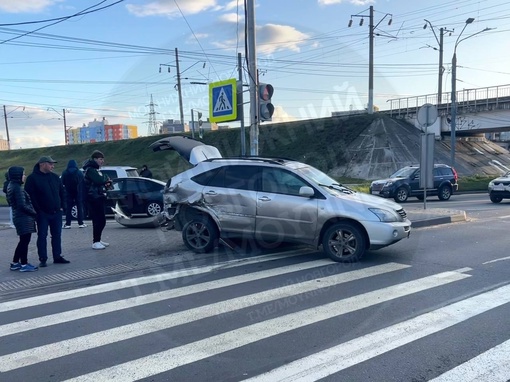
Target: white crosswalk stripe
{"type": "Point", "coordinates": [280, 299]}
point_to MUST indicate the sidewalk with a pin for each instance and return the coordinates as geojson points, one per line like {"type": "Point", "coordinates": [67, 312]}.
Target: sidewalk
{"type": "Point", "coordinates": [147, 250]}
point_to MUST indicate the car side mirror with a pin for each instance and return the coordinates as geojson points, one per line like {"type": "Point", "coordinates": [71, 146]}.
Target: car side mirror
{"type": "Point", "coordinates": [306, 191]}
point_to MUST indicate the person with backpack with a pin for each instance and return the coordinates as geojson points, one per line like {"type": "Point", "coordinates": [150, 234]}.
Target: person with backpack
{"type": "Point", "coordinates": [96, 184]}
{"type": "Point", "coordinates": [72, 178]}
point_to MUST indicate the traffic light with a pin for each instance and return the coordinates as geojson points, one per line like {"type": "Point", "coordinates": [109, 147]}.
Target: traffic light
{"type": "Point", "coordinates": [200, 128]}
{"type": "Point", "coordinates": [266, 108]}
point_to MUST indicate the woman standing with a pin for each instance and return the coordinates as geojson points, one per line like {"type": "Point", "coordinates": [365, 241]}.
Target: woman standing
{"type": "Point", "coordinates": [96, 183]}
{"type": "Point", "coordinates": [23, 216]}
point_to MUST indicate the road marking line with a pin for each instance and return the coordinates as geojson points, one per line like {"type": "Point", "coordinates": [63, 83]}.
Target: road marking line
{"type": "Point", "coordinates": [89, 341]}
{"type": "Point", "coordinates": [496, 260]}
{"type": "Point", "coordinates": [169, 359]}
{"type": "Point", "coordinates": [335, 359]}
{"type": "Point", "coordinates": [491, 365]}
{"type": "Point", "coordinates": [128, 303]}
{"type": "Point", "coordinates": [134, 282]}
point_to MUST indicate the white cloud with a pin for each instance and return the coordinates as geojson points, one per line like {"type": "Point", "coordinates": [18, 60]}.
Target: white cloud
{"type": "Point", "coordinates": [355, 2]}
{"type": "Point", "coordinates": [280, 115]}
{"type": "Point", "coordinates": [169, 8]}
{"type": "Point", "coordinates": [26, 6]}
{"type": "Point", "coordinates": [273, 37]}
{"type": "Point", "coordinates": [231, 18]}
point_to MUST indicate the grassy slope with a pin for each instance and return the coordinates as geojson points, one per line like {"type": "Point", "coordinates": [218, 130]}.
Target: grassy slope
{"type": "Point", "coordinates": [318, 142]}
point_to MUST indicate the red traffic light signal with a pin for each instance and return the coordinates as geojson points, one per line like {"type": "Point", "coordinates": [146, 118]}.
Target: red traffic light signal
{"type": "Point", "coordinates": [266, 108]}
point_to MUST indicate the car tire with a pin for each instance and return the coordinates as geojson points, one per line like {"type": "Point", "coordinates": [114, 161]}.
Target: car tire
{"type": "Point", "coordinates": [495, 199]}
{"type": "Point", "coordinates": [200, 234]}
{"type": "Point", "coordinates": [444, 193]}
{"type": "Point", "coordinates": [153, 208]}
{"type": "Point", "coordinates": [419, 197]}
{"type": "Point", "coordinates": [401, 195]}
{"type": "Point", "coordinates": [344, 243]}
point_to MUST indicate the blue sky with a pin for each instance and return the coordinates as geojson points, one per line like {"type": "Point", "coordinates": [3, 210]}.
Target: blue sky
{"type": "Point", "coordinates": [104, 62]}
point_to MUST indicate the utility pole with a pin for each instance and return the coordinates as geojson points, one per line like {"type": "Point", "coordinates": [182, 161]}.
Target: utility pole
{"type": "Point", "coordinates": [441, 67]}
{"type": "Point", "coordinates": [253, 77]}
{"type": "Point", "coordinates": [372, 27]}
{"type": "Point", "coordinates": [152, 129]}
{"type": "Point", "coordinates": [240, 104]}
{"type": "Point", "coordinates": [181, 110]}
{"type": "Point", "coordinates": [66, 140]}
{"type": "Point", "coordinates": [7, 130]}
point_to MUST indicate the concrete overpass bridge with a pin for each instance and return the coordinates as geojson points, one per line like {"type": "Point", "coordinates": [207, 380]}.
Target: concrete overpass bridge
{"type": "Point", "coordinates": [479, 111]}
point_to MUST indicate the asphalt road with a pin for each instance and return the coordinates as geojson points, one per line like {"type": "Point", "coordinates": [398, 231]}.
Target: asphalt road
{"type": "Point", "coordinates": [433, 306]}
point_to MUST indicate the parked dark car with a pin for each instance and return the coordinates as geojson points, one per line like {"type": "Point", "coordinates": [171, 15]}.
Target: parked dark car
{"type": "Point", "coordinates": [135, 195]}
{"type": "Point", "coordinates": [406, 182]}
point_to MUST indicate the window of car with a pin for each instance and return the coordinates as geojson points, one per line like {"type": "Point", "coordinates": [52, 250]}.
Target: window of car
{"type": "Point", "coordinates": [135, 186]}
{"type": "Point", "coordinates": [445, 171]}
{"type": "Point", "coordinates": [281, 181]}
{"type": "Point", "coordinates": [236, 177]}
{"type": "Point", "coordinates": [404, 172]}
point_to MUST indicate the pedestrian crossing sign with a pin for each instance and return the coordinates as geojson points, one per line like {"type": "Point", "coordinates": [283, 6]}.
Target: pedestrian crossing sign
{"type": "Point", "coordinates": [223, 101]}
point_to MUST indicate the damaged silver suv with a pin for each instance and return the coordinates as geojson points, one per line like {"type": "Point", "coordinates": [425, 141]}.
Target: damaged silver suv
{"type": "Point", "coordinates": [273, 200]}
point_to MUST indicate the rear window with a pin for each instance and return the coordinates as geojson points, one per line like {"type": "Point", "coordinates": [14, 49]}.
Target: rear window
{"type": "Point", "coordinates": [132, 173]}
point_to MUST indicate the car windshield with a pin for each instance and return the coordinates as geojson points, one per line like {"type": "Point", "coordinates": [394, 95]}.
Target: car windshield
{"type": "Point", "coordinates": [403, 172]}
{"type": "Point", "coordinates": [320, 178]}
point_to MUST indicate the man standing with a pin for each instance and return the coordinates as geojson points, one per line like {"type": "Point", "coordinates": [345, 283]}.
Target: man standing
{"type": "Point", "coordinates": [96, 183]}
{"type": "Point", "coordinates": [47, 194]}
{"type": "Point", "coordinates": [72, 178]}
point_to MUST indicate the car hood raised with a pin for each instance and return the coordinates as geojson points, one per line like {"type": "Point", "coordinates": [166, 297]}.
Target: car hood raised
{"type": "Point", "coordinates": [188, 148]}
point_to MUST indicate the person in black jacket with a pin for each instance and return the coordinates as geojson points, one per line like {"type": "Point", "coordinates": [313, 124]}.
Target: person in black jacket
{"type": "Point", "coordinates": [47, 194]}
{"type": "Point", "coordinates": [6, 183]}
{"type": "Point", "coordinates": [72, 178]}
{"type": "Point", "coordinates": [23, 217]}
{"type": "Point", "coordinates": [96, 184]}
{"type": "Point", "coordinates": [145, 172]}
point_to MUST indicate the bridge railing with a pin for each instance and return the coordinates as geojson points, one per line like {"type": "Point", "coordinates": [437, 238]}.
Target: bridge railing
{"type": "Point", "coordinates": [487, 98]}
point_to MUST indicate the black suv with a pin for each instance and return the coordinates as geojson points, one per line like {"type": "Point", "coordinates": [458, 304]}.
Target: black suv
{"type": "Point", "coordinates": [406, 182]}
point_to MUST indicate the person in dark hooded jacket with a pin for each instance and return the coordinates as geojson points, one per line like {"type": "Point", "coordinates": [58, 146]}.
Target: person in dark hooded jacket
{"type": "Point", "coordinates": [96, 184]}
{"type": "Point", "coordinates": [72, 178]}
{"type": "Point", "coordinates": [23, 218]}
{"type": "Point", "coordinates": [47, 194]}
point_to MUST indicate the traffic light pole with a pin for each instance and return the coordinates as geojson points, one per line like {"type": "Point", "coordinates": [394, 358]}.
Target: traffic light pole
{"type": "Point", "coordinates": [253, 78]}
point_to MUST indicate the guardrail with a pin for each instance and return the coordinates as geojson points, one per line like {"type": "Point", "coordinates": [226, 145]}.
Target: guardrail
{"type": "Point", "coordinates": [468, 100]}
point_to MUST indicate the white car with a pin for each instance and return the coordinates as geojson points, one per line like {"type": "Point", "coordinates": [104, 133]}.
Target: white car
{"type": "Point", "coordinates": [499, 188]}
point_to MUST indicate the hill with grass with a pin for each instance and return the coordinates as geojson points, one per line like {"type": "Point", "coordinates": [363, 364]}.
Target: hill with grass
{"type": "Point", "coordinates": [358, 147]}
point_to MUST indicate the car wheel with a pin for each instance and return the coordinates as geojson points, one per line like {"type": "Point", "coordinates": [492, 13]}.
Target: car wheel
{"type": "Point", "coordinates": [344, 242]}
{"type": "Point", "coordinates": [153, 208]}
{"type": "Point", "coordinates": [74, 212]}
{"type": "Point", "coordinates": [444, 193]}
{"type": "Point", "coordinates": [200, 234]}
{"type": "Point", "coordinates": [401, 195]}
{"type": "Point", "coordinates": [495, 199]}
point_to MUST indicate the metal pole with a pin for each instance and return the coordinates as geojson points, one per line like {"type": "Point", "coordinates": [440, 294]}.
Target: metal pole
{"type": "Point", "coordinates": [240, 103]}
{"type": "Point", "coordinates": [371, 63]}
{"type": "Point", "coordinates": [252, 72]}
{"type": "Point", "coordinates": [7, 130]}
{"type": "Point", "coordinates": [66, 141]}
{"type": "Point", "coordinates": [441, 69]}
{"type": "Point", "coordinates": [192, 124]}
{"type": "Point", "coordinates": [453, 123]}
{"type": "Point", "coordinates": [181, 110]}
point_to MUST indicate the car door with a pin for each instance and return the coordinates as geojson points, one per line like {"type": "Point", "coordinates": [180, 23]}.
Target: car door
{"type": "Point", "coordinates": [136, 195]}
{"type": "Point", "coordinates": [282, 214]}
{"type": "Point", "coordinates": [231, 195]}
{"type": "Point", "coordinates": [414, 183]}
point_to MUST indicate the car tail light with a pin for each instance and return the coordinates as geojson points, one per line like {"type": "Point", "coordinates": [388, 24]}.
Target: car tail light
{"type": "Point", "coordinates": [455, 174]}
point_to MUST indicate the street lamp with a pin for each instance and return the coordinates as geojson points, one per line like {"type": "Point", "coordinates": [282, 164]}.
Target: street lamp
{"type": "Point", "coordinates": [453, 123]}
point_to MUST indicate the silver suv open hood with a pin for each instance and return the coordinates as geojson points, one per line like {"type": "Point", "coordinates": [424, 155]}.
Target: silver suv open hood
{"type": "Point", "coordinates": [190, 149]}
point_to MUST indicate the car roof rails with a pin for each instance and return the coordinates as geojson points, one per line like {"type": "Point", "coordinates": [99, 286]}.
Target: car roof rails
{"type": "Point", "coordinates": [279, 161]}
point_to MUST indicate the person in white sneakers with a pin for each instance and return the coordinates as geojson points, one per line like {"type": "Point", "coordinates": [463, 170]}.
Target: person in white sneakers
{"type": "Point", "coordinates": [96, 184]}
